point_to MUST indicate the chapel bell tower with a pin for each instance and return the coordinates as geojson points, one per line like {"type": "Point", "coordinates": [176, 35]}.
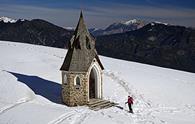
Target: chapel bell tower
{"type": "Point", "coordinates": [82, 69]}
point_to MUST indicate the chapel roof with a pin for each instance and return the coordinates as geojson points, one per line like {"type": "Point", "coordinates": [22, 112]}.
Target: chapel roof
{"type": "Point", "coordinates": [81, 51]}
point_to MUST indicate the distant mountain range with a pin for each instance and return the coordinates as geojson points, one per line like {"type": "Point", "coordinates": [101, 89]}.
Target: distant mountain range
{"type": "Point", "coordinates": [153, 43]}
{"type": "Point", "coordinates": [118, 27]}
{"type": "Point", "coordinates": [35, 31]}
{"type": "Point", "coordinates": [156, 44]}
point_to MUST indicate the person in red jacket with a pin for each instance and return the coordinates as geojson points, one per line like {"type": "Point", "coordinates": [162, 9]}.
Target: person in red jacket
{"type": "Point", "coordinates": [130, 102]}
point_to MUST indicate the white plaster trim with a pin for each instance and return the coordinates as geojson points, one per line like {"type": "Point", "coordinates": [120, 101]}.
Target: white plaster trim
{"type": "Point", "coordinates": [98, 83]}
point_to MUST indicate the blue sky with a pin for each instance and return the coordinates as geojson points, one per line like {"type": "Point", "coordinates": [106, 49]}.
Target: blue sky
{"type": "Point", "coordinates": [100, 13]}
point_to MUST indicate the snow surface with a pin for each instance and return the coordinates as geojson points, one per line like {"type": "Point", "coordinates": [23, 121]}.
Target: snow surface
{"type": "Point", "coordinates": [30, 83]}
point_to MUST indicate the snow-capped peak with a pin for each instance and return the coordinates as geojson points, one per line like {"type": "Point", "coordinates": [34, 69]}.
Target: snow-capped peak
{"type": "Point", "coordinates": [161, 23]}
{"type": "Point", "coordinates": [157, 22]}
{"type": "Point", "coordinates": [130, 22]}
{"type": "Point", "coordinates": [70, 28]}
{"type": "Point", "coordinates": [6, 20]}
{"type": "Point", "coordinates": [93, 29]}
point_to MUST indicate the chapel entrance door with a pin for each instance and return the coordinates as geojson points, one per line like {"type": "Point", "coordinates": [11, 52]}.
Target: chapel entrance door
{"type": "Point", "coordinates": [93, 84]}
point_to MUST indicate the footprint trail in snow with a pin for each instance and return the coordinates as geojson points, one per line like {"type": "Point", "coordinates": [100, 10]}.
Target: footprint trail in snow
{"type": "Point", "coordinates": [142, 108]}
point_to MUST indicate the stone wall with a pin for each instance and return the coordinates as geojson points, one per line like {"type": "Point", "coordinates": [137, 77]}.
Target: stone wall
{"type": "Point", "coordinates": [73, 95]}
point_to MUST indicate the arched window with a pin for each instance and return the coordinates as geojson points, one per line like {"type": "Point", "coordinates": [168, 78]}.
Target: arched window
{"type": "Point", "coordinates": [77, 81]}
{"type": "Point", "coordinates": [65, 80]}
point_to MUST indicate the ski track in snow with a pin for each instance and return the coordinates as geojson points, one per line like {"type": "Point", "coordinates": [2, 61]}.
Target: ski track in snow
{"type": "Point", "coordinates": [113, 118]}
{"type": "Point", "coordinates": [74, 115]}
{"type": "Point", "coordinates": [19, 102]}
{"type": "Point", "coordinates": [61, 118]}
{"type": "Point", "coordinates": [191, 107]}
{"type": "Point", "coordinates": [80, 117]}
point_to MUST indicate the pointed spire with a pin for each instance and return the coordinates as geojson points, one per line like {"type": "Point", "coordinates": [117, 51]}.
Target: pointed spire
{"type": "Point", "coordinates": [81, 25]}
{"type": "Point", "coordinates": [81, 14]}
{"type": "Point", "coordinates": [81, 33]}
{"type": "Point", "coordinates": [81, 17]}
{"type": "Point", "coordinates": [81, 50]}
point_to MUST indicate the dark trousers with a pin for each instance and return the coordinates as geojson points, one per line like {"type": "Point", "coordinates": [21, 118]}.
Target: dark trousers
{"type": "Point", "coordinates": [130, 108]}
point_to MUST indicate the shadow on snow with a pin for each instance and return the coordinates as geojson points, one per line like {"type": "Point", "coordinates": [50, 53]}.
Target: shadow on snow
{"type": "Point", "coordinates": [48, 89]}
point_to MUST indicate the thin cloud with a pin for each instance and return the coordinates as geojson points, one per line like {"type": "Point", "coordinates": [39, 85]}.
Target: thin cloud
{"type": "Point", "coordinates": [146, 11]}
{"type": "Point", "coordinates": [101, 16]}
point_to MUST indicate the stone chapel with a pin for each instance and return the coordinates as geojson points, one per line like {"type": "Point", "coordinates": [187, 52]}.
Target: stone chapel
{"type": "Point", "coordinates": [82, 69]}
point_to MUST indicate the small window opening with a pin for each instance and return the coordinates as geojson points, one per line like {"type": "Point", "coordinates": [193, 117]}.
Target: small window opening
{"type": "Point", "coordinates": [77, 44]}
{"type": "Point", "coordinates": [87, 43]}
{"type": "Point", "coordinates": [65, 80]}
{"type": "Point", "coordinates": [77, 82]}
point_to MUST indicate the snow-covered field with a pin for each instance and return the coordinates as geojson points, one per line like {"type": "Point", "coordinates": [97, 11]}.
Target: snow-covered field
{"type": "Point", "coordinates": [30, 90]}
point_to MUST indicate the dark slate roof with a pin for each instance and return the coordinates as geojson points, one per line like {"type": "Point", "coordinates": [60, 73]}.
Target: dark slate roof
{"type": "Point", "coordinates": [81, 51]}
